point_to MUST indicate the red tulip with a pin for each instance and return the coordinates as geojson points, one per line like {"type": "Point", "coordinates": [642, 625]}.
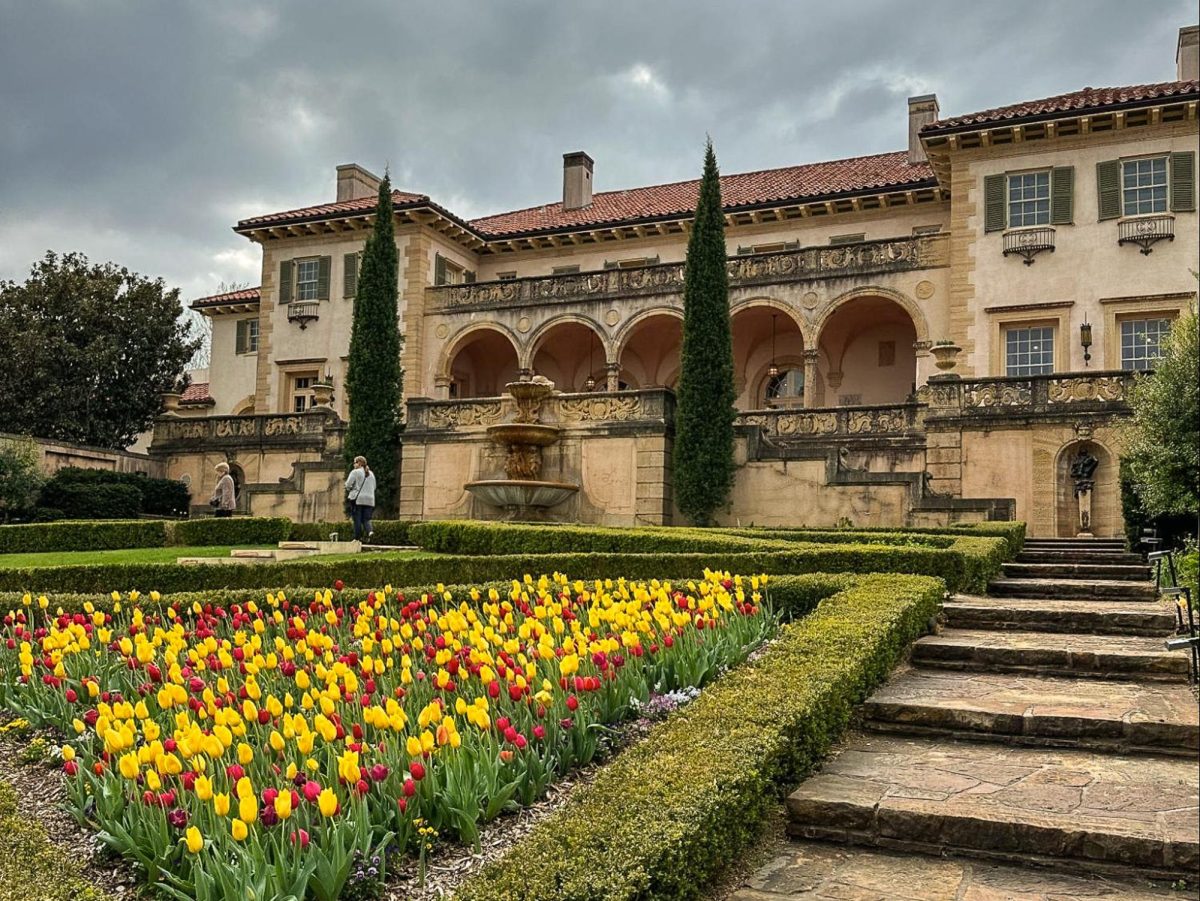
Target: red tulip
{"type": "Point", "coordinates": [572, 703]}
{"type": "Point", "coordinates": [417, 769]}
{"type": "Point", "coordinates": [410, 788]}
{"type": "Point", "coordinates": [303, 838]}
{"type": "Point", "coordinates": [338, 585]}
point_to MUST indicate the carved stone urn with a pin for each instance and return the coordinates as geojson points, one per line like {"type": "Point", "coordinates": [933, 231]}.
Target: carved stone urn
{"type": "Point", "coordinates": [170, 401]}
{"type": "Point", "coordinates": [945, 356]}
{"type": "Point", "coordinates": [322, 394]}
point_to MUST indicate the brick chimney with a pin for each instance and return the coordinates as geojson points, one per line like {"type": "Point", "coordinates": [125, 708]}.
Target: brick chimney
{"type": "Point", "coordinates": [921, 111]}
{"type": "Point", "coordinates": [1187, 54]}
{"type": "Point", "coordinates": [577, 180]}
{"type": "Point", "coordinates": [354, 182]}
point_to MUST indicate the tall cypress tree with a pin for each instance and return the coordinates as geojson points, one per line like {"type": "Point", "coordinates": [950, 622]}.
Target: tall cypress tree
{"type": "Point", "coordinates": [373, 378]}
{"type": "Point", "coordinates": [704, 414]}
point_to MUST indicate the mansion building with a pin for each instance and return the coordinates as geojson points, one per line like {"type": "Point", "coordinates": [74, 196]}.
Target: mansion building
{"type": "Point", "coordinates": [921, 337]}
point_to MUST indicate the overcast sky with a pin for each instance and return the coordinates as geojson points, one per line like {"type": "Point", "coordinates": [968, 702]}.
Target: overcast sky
{"type": "Point", "coordinates": [140, 132]}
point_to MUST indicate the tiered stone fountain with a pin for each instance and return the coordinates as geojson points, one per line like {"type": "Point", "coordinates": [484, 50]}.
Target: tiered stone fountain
{"type": "Point", "coordinates": [524, 494]}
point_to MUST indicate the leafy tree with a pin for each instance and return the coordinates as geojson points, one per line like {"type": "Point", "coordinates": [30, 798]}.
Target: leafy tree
{"type": "Point", "coordinates": [1161, 446]}
{"type": "Point", "coordinates": [373, 376]}
{"type": "Point", "coordinates": [88, 350]}
{"type": "Point", "coordinates": [704, 416]}
{"type": "Point", "coordinates": [20, 475]}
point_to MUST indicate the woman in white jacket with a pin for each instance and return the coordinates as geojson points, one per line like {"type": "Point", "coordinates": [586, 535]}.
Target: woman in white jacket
{"type": "Point", "coordinates": [360, 498]}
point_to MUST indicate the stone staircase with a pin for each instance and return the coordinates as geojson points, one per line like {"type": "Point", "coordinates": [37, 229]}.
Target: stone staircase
{"type": "Point", "coordinates": [1043, 745]}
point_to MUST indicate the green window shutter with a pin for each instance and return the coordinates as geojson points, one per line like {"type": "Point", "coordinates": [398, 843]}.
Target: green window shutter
{"type": "Point", "coordinates": [1183, 181]}
{"type": "Point", "coordinates": [1062, 195]}
{"type": "Point", "coordinates": [994, 214]}
{"type": "Point", "coordinates": [349, 275]}
{"type": "Point", "coordinates": [324, 265]}
{"type": "Point", "coordinates": [240, 343]}
{"type": "Point", "coordinates": [468, 277]}
{"type": "Point", "coordinates": [1108, 189]}
{"type": "Point", "coordinates": [439, 269]}
{"type": "Point", "coordinates": [285, 281]}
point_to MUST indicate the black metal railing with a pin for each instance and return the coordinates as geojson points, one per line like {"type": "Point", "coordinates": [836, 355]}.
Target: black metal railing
{"type": "Point", "coordinates": [1145, 231]}
{"type": "Point", "coordinates": [304, 312]}
{"type": "Point", "coordinates": [1029, 242]}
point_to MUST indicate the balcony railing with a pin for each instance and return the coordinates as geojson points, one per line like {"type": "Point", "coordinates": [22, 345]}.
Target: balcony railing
{"type": "Point", "coordinates": [1029, 242]}
{"type": "Point", "coordinates": [284, 428]}
{"type": "Point", "coordinates": [304, 312]}
{"type": "Point", "coordinates": [1042, 395]}
{"type": "Point", "coordinates": [1145, 231]}
{"type": "Point", "coordinates": [892, 421]}
{"type": "Point", "coordinates": [566, 410]}
{"type": "Point", "coordinates": [797, 265]}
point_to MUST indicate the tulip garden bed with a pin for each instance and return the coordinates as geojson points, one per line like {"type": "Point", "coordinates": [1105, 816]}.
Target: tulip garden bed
{"type": "Point", "coordinates": [294, 749]}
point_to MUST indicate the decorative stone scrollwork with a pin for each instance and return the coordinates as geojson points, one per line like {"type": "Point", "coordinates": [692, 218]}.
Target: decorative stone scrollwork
{"type": "Point", "coordinates": [1077, 388]}
{"type": "Point", "coordinates": [449, 416]}
{"type": "Point", "coordinates": [1002, 394]}
{"type": "Point", "coordinates": [275, 426]}
{"type": "Point", "coordinates": [820, 423]}
{"type": "Point", "coordinates": [599, 409]}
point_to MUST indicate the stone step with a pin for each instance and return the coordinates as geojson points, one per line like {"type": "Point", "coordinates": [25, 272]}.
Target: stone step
{"type": "Point", "coordinates": [821, 871]}
{"type": "Point", "coordinates": [1083, 589]}
{"type": "Point", "coordinates": [1079, 557]}
{"type": "Point", "coordinates": [1042, 653]}
{"type": "Point", "coordinates": [1082, 543]}
{"type": "Point", "coordinates": [1108, 571]}
{"type": "Point", "coordinates": [1040, 710]}
{"type": "Point", "coordinates": [1047, 615]}
{"type": "Point", "coordinates": [1100, 813]}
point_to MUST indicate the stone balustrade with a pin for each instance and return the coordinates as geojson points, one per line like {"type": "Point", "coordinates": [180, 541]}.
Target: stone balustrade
{"type": "Point", "coordinates": [898, 421]}
{"type": "Point", "coordinates": [315, 428]}
{"type": "Point", "coordinates": [798, 265]}
{"type": "Point", "coordinates": [1053, 395]}
{"type": "Point", "coordinates": [567, 410]}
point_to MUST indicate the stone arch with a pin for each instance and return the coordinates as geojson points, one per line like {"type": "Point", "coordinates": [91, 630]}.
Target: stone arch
{"type": "Point", "coordinates": [244, 407]}
{"type": "Point", "coordinates": [1105, 499]}
{"type": "Point", "coordinates": [765, 331]}
{"type": "Point", "coordinates": [498, 352]}
{"type": "Point", "coordinates": [866, 348]}
{"type": "Point", "coordinates": [581, 350]}
{"type": "Point", "coordinates": [647, 350]}
{"type": "Point", "coordinates": [910, 306]}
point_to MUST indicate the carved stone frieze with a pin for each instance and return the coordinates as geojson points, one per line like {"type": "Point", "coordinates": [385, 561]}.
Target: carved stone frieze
{"type": "Point", "coordinates": [466, 413]}
{"type": "Point", "coordinates": [602, 408]}
{"type": "Point", "coordinates": [818, 423]}
{"type": "Point", "coordinates": [1083, 388]}
{"type": "Point", "coordinates": [997, 394]}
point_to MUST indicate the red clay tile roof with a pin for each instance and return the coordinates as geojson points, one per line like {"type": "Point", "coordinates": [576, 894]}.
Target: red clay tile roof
{"type": "Point", "coordinates": [742, 191]}
{"type": "Point", "coordinates": [1074, 102]}
{"type": "Point", "coordinates": [196, 393]}
{"type": "Point", "coordinates": [327, 210]}
{"type": "Point", "coordinates": [243, 295]}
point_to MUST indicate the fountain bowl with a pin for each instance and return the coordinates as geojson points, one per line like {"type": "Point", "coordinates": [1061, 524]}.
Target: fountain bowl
{"type": "Point", "coordinates": [529, 434]}
{"type": "Point", "coordinates": [519, 494]}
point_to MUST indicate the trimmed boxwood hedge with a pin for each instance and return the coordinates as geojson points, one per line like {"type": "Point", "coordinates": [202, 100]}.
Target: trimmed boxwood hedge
{"type": "Point", "coordinates": [31, 867]}
{"type": "Point", "coordinates": [89, 535]}
{"type": "Point", "coordinates": [387, 531]}
{"type": "Point", "coordinates": [668, 814]}
{"type": "Point", "coordinates": [230, 530]}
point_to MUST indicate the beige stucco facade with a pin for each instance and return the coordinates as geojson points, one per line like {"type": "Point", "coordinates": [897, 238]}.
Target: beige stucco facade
{"type": "Point", "coordinates": [838, 301]}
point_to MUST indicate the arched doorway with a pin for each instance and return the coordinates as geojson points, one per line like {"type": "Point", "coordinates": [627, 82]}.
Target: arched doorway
{"type": "Point", "coordinates": [570, 354]}
{"type": "Point", "coordinates": [867, 354]}
{"type": "Point", "coordinates": [649, 353]}
{"type": "Point", "coordinates": [1092, 461]}
{"type": "Point", "coordinates": [482, 363]}
{"type": "Point", "coordinates": [768, 358]}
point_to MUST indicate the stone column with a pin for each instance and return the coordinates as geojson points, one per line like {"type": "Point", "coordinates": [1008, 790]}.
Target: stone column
{"type": "Point", "coordinates": [441, 387]}
{"type": "Point", "coordinates": [614, 377]}
{"type": "Point", "coordinates": [924, 362]}
{"type": "Point", "coordinates": [810, 378]}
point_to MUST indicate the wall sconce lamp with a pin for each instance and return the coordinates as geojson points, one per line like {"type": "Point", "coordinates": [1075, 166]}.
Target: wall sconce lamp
{"type": "Point", "coordinates": [1085, 339]}
{"type": "Point", "coordinates": [773, 369]}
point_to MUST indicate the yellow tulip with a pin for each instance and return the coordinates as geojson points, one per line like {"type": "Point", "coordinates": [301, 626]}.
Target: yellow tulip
{"type": "Point", "coordinates": [239, 830]}
{"type": "Point", "coordinates": [327, 802]}
{"type": "Point", "coordinates": [245, 753]}
{"type": "Point", "coordinates": [248, 808]}
{"type": "Point", "coordinates": [128, 765]}
{"type": "Point", "coordinates": [283, 804]}
{"type": "Point", "coordinates": [68, 753]}
{"type": "Point", "coordinates": [221, 804]}
{"type": "Point", "coordinates": [195, 841]}
{"type": "Point", "coordinates": [203, 788]}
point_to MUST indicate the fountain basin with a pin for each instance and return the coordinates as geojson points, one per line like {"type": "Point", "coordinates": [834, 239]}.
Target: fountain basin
{"type": "Point", "coordinates": [521, 493]}
{"type": "Point", "coordinates": [528, 434]}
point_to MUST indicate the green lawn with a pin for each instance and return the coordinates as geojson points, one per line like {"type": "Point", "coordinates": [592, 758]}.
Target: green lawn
{"type": "Point", "coordinates": [129, 555]}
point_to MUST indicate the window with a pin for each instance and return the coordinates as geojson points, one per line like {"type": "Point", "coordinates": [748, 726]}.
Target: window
{"type": "Point", "coordinates": [786, 388]}
{"type": "Point", "coordinates": [848, 239]}
{"type": "Point", "coordinates": [446, 272]}
{"type": "Point", "coordinates": [1029, 351]}
{"type": "Point", "coordinates": [1144, 186]}
{"type": "Point", "coordinates": [631, 263]}
{"type": "Point", "coordinates": [301, 391]}
{"type": "Point", "coordinates": [919, 230]}
{"type": "Point", "coordinates": [775, 247]}
{"type": "Point", "coordinates": [1028, 199]}
{"type": "Point", "coordinates": [1141, 342]}
{"type": "Point", "coordinates": [308, 276]}
{"type": "Point", "coordinates": [247, 336]}
{"type": "Point", "coordinates": [565, 270]}
{"type": "Point", "coordinates": [506, 276]}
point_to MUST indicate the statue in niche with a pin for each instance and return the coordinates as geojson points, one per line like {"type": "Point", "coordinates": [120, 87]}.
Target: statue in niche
{"type": "Point", "coordinates": [1083, 474]}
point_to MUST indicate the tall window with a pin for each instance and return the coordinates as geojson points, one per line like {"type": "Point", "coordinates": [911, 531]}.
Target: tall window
{"type": "Point", "coordinates": [247, 336]}
{"type": "Point", "coordinates": [1141, 342]}
{"type": "Point", "coordinates": [1144, 186]}
{"type": "Point", "coordinates": [1028, 199]}
{"type": "Point", "coordinates": [785, 389]}
{"type": "Point", "coordinates": [1029, 351]}
{"type": "Point", "coordinates": [308, 274]}
{"type": "Point", "coordinates": [301, 391]}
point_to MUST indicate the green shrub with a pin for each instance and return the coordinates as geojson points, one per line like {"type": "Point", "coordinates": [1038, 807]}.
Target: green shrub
{"type": "Point", "coordinates": [158, 497]}
{"type": "Point", "coordinates": [474, 537]}
{"type": "Point", "coordinates": [35, 538]}
{"type": "Point", "coordinates": [664, 817]}
{"type": "Point", "coordinates": [387, 531]}
{"type": "Point", "coordinates": [87, 500]}
{"type": "Point", "coordinates": [231, 530]}
{"type": "Point", "coordinates": [31, 867]}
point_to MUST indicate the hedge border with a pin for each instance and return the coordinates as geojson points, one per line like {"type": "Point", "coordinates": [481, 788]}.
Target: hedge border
{"type": "Point", "coordinates": [33, 867]}
{"type": "Point", "coordinates": [668, 814]}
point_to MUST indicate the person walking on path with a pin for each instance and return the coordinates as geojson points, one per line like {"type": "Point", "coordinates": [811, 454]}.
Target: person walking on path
{"type": "Point", "coordinates": [360, 498]}
{"type": "Point", "coordinates": [224, 498]}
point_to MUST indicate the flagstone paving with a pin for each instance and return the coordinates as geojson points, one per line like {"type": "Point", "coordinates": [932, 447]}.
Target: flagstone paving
{"type": "Point", "coordinates": [1042, 747]}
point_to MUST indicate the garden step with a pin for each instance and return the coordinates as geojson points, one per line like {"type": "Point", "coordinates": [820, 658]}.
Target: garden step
{"type": "Point", "coordinates": [1080, 543]}
{"type": "Point", "coordinates": [1097, 812]}
{"type": "Point", "coordinates": [822, 871]}
{"type": "Point", "coordinates": [1079, 557]}
{"type": "Point", "coordinates": [1070, 616]}
{"type": "Point", "coordinates": [1087, 589]}
{"type": "Point", "coordinates": [1042, 710]}
{"type": "Point", "coordinates": [1108, 571]}
{"type": "Point", "coordinates": [1100, 656]}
